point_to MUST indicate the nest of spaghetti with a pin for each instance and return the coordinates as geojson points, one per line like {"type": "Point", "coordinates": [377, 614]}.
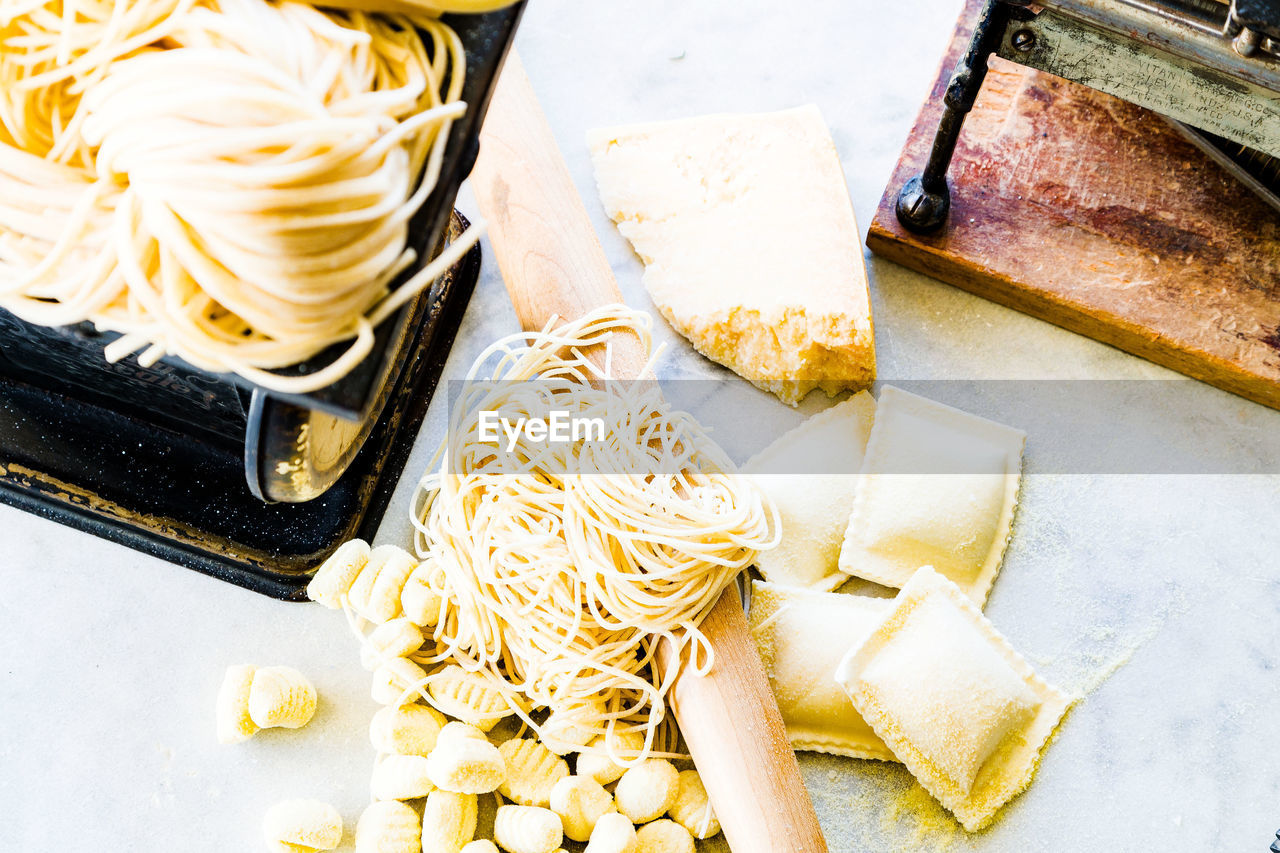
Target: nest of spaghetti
{"type": "Point", "coordinates": [562, 566]}
{"type": "Point", "coordinates": [227, 181]}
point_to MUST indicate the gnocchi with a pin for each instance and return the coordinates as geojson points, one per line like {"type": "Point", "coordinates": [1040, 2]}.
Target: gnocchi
{"type": "Point", "coordinates": [393, 679]}
{"type": "Point", "coordinates": [448, 822]}
{"type": "Point", "coordinates": [567, 730]}
{"type": "Point", "coordinates": [532, 772]}
{"type": "Point", "coordinates": [464, 761]}
{"type": "Point", "coordinates": [388, 826]}
{"type": "Point", "coordinates": [482, 846]}
{"type": "Point", "coordinates": [648, 790]}
{"type": "Point", "coordinates": [308, 824]}
{"type": "Point", "coordinates": [613, 834]}
{"type": "Point", "coordinates": [420, 600]}
{"type": "Point", "coordinates": [599, 765]}
{"type": "Point", "coordinates": [233, 721]}
{"type": "Point", "coordinates": [692, 808]}
{"type": "Point", "coordinates": [281, 696]}
{"type": "Point", "coordinates": [375, 595]}
{"type": "Point", "coordinates": [580, 801]}
{"type": "Point", "coordinates": [390, 640]}
{"type": "Point", "coordinates": [527, 829]}
{"type": "Point", "coordinates": [335, 576]}
{"type": "Point", "coordinates": [468, 697]}
{"type": "Point", "coordinates": [406, 729]}
{"type": "Point", "coordinates": [400, 777]}
{"type": "Point", "coordinates": [663, 836]}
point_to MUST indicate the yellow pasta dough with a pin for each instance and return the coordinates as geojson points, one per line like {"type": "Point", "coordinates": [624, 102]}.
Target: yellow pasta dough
{"type": "Point", "coordinates": [580, 801]}
{"type": "Point", "coordinates": [810, 473]}
{"type": "Point", "coordinates": [527, 829]}
{"type": "Point", "coordinates": [646, 791]}
{"type": "Point", "coordinates": [448, 821]}
{"type": "Point", "coordinates": [395, 639]}
{"type": "Point", "coordinates": [952, 699]}
{"type": "Point", "coordinates": [663, 836]}
{"type": "Point", "coordinates": [598, 760]}
{"type": "Point", "coordinates": [400, 777]}
{"type": "Point", "coordinates": [281, 696]}
{"type": "Point", "coordinates": [394, 679]}
{"type": "Point", "coordinates": [389, 826]}
{"type": "Point", "coordinates": [406, 729]}
{"type": "Point", "coordinates": [692, 808]}
{"type": "Point", "coordinates": [938, 487]}
{"type": "Point", "coordinates": [335, 576]}
{"type": "Point", "coordinates": [468, 697]}
{"type": "Point", "coordinates": [613, 833]}
{"type": "Point", "coordinates": [465, 762]}
{"type": "Point", "coordinates": [309, 824]}
{"type": "Point", "coordinates": [233, 719]}
{"type": "Point", "coordinates": [802, 636]}
{"type": "Point", "coordinates": [532, 771]}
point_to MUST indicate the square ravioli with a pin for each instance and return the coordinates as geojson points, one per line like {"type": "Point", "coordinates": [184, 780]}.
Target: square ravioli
{"type": "Point", "coordinates": [938, 487]}
{"type": "Point", "coordinates": [952, 699]}
{"type": "Point", "coordinates": [813, 508]}
{"type": "Point", "coordinates": [802, 636]}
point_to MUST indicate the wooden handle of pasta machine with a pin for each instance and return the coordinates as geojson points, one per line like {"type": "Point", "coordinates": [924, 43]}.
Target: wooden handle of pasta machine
{"type": "Point", "coordinates": [553, 264]}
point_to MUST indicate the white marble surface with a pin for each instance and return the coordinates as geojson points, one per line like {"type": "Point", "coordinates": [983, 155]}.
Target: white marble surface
{"type": "Point", "coordinates": [1156, 596]}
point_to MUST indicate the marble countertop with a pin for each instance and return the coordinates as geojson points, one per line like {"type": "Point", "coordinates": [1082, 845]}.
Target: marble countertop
{"type": "Point", "coordinates": [1155, 596]}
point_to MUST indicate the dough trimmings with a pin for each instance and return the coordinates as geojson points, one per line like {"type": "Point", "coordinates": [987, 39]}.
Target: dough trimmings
{"type": "Point", "coordinates": [952, 699]}
{"type": "Point", "coordinates": [813, 508]}
{"type": "Point", "coordinates": [802, 636]}
{"type": "Point", "coordinates": [938, 487]}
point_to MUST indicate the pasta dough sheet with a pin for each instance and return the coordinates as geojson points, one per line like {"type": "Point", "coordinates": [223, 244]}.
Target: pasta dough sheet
{"type": "Point", "coordinates": [938, 487]}
{"type": "Point", "coordinates": [813, 508]}
{"type": "Point", "coordinates": [948, 694]}
{"type": "Point", "coordinates": [802, 636]}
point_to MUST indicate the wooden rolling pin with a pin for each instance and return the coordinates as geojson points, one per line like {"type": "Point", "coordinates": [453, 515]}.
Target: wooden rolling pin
{"type": "Point", "coordinates": [553, 264]}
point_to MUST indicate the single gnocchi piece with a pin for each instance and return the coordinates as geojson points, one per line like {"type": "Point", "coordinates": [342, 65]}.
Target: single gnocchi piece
{"type": "Point", "coordinates": [532, 771]}
{"type": "Point", "coordinates": [448, 822]}
{"type": "Point", "coordinates": [481, 846]}
{"type": "Point", "coordinates": [390, 640]}
{"type": "Point", "coordinates": [646, 791]}
{"type": "Point", "coordinates": [281, 696]}
{"type": "Point", "coordinates": [234, 723]}
{"type": "Point", "coordinates": [375, 595]}
{"type": "Point", "coordinates": [567, 730]}
{"type": "Point", "coordinates": [393, 678]}
{"type": "Point", "coordinates": [467, 696]}
{"type": "Point", "coordinates": [400, 777]}
{"type": "Point", "coordinates": [527, 829]}
{"type": "Point", "coordinates": [663, 836]}
{"type": "Point", "coordinates": [421, 599]}
{"type": "Point", "coordinates": [389, 826]}
{"type": "Point", "coordinates": [692, 808]}
{"type": "Point", "coordinates": [598, 764]}
{"type": "Point", "coordinates": [406, 729]}
{"type": "Point", "coordinates": [308, 824]}
{"type": "Point", "coordinates": [613, 834]}
{"type": "Point", "coordinates": [465, 762]}
{"type": "Point", "coordinates": [580, 801]}
{"type": "Point", "coordinates": [335, 576]}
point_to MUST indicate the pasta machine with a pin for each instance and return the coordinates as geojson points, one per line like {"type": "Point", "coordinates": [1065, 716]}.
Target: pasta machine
{"type": "Point", "coordinates": [207, 470]}
{"type": "Point", "coordinates": [1211, 66]}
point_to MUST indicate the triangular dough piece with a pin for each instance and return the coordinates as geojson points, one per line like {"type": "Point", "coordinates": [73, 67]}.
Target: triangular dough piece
{"type": "Point", "coordinates": [750, 247]}
{"type": "Point", "coordinates": [814, 508]}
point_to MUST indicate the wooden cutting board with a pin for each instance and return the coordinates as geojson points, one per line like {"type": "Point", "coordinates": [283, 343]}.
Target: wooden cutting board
{"type": "Point", "coordinates": [1093, 214]}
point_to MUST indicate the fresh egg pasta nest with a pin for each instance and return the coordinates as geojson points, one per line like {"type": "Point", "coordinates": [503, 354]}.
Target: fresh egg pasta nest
{"type": "Point", "coordinates": [565, 564]}
{"type": "Point", "coordinates": [228, 181]}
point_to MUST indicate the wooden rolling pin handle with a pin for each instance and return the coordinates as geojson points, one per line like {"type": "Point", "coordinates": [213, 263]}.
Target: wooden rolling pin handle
{"type": "Point", "coordinates": [553, 265]}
